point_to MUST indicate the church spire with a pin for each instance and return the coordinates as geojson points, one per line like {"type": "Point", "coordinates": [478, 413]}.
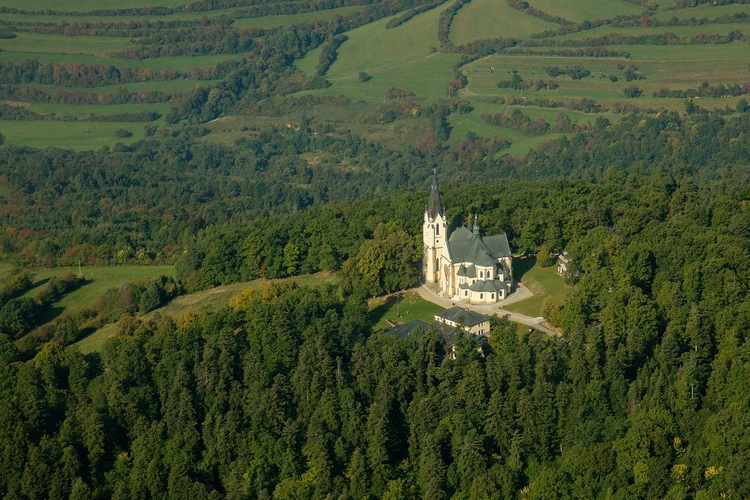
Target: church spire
{"type": "Point", "coordinates": [434, 208]}
{"type": "Point", "coordinates": [475, 229]}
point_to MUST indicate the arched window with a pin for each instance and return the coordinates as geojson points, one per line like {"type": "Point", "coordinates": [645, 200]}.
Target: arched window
{"type": "Point", "coordinates": [481, 274]}
{"type": "Point", "coordinates": [466, 292]}
{"type": "Point", "coordinates": [481, 296]}
{"type": "Point", "coordinates": [489, 275]}
{"type": "Point", "coordinates": [437, 229]}
{"type": "Point", "coordinates": [437, 264]}
{"type": "Point", "coordinates": [492, 295]}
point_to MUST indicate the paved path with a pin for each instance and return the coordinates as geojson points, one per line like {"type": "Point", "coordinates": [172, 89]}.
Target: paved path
{"type": "Point", "coordinates": [431, 295]}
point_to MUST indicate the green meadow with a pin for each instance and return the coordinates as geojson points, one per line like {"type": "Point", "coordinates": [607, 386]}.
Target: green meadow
{"type": "Point", "coordinates": [401, 308]}
{"type": "Point", "coordinates": [286, 20]}
{"type": "Point", "coordinates": [61, 44]}
{"type": "Point", "coordinates": [86, 5]}
{"type": "Point", "coordinates": [542, 282]}
{"type": "Point", "coordinates": [399, 57]}
{"type": "Point", "coordinates": [98, 281]}
{"type": "Point", "coordinates": [581, 10]}
{"type": "Point", "coordinates": [84, 110]}
{"type": "Point", "coordinates": [708, 29]}
{"type": "Point", "coordinates": [481, 19]}
{"type": "Point", "coordinates": [68, 135]}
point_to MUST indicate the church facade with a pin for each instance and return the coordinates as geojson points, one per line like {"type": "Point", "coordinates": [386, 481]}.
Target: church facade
{"type": "Point", "coordinates": [465, 265]}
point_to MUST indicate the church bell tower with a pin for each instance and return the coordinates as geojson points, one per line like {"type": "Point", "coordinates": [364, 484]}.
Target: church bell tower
{"type": "Point", "coordinates": [433, 234]}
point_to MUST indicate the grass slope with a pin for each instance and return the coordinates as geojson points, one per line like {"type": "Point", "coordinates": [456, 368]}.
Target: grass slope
{"type": "Point", "coordinates": [543, 283]}
{"type": "Point", "coordinates": [481, 19]}
{"type": "Point", "coordinates": [399, 57]}
{"type": "Point", "coordinates": [401, 308]}
{"type": "Point", "coordinates": [198, 302]}
{"type": "Point", "coordinates": [581, 10]}
{"type": "Point", "coordinates": [68, 135]}
{"type": "Point", "coordinates": [98, 281]}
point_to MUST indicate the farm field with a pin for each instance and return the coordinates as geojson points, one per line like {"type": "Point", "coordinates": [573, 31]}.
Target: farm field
{"type": "Point", "coordinates": [286, 20]}
{"type": "Point", "coordinates": [398, 57]}
{"type": "Point", "coordinates": [33, 43]}
{"type": "Point", "coordinates": [84, 110]}
{"type": "Point", "coordinates": [68, 135]}
{"type": "Point", "coordinates": [492, 19]}
{"type": "Point", "coordinates": [86, 5]}
{"type": "Point", "coordinates": [708, 29]}
{"type": "Point", "coordinates": [581, 10]}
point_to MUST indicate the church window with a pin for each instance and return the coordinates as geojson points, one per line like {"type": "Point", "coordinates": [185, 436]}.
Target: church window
{"type": "Point", "coordinates": [437, 264]}
{"type": "Point", "coordinates": [437, 229]}
{"type": "Point", "coordinates": [492, 295]}
{"type": "Point", "coordinates": [489, 275]}
{"type": "Point", "coordinates": [481, 295]}
{"type": "Point", "coordinates": [466, 292]}
{"type": "Point", "coordinates": [481, 274]}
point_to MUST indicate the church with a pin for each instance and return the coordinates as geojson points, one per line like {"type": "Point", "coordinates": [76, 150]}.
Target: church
{"type": "Point", "coordinates": [465, 265]}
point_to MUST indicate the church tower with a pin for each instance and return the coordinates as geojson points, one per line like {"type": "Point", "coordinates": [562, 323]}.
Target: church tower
{"type": "Point", "coordinates": [433, 234]}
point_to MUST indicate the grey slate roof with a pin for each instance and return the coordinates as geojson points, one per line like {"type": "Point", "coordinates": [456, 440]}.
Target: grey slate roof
{"type": "Point", "coordinates": [486, 286]}
{"type": "Point", "coordinates": [480, 251]}
{"type": "Point", "coordinates": [470, 318]}
{"type": "Point", "coordinates": [434, 208]}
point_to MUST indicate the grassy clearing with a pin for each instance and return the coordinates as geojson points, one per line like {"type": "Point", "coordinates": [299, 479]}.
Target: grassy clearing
{"type": "Point", "coordinates": [86, 5]}
{"type": "Point", "coordinates": [706, 10]}
{"type": "Point", "coordinates": [401, 308]}
{"type": "Point", "coordinates": [286, 20]}
{"type": "Point", "coordinates": [57, 44]}
{"type": "Point", "coordinates": [83, 110]}
{"type": "Point", "coordinates": [543, 283]}
{"type": "Point", "coordinates": [581, 10]}
{"type": "Point", "coordinates": [398, 57]}
{"type": "Point", "coordinates": [180, 85]}
{"type": "Point", "coordinates": [98, 281]}
{"type": "Point", "coordinates": [198, 302]}
{"type": "Point", "coordinates": [68, 135]}
{"type": "Point", "coordinates": [672, 72]}
{"type": "Point", "coordinates": [398, 135]}
{"type": "Point", "coordinates": [178, 63]}
{"type": "Point", "coordinates": [481, 19]}
{"type": "Point", "coordinates": [708, 29]}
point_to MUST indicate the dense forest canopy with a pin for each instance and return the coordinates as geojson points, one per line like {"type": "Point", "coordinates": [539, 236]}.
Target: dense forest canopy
{"type": "Point", "coordinates": [289, 392]}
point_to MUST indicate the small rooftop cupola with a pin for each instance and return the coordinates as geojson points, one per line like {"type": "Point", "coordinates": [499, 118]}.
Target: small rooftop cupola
{"type": "Point", "coordinates": [475, 228]}
{"type": "Point", "coordinates": [434, 208]}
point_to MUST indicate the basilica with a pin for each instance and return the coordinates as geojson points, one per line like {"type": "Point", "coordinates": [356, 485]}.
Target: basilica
{"type": "Point", "coordinates": [465, 265]}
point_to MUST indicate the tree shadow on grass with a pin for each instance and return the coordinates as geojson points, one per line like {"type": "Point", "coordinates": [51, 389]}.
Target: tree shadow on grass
{"type": "Point", "coordinates": [380, 311]}
{"type": "Point", "coordinates": [522, 265]}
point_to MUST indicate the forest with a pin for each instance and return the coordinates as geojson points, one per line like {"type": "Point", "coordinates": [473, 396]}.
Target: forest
{"type": "Point", "coordinates": [264, 153]}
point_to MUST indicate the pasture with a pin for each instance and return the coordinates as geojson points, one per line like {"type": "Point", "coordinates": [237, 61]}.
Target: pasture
{"type": "Point", "coordinates": [84, 110]}
{"type": "Point", "coordinates": [481, 19]}
{"type": "Point", "coordinates": [98, 281]}
{"type": "Point", "coordinates": [399, 57]}
{"type": "Point", "coordinates": [86, 5]}
{"type": "Point", "coordinates": [68, 135]}
{"type": "Point", "coordinates": [35, 43]}
{"type": "Point", "coordinates": [581, 10]}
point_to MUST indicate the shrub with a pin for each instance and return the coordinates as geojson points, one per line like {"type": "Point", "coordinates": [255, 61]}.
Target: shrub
{"type": "Point", "coordinates": [122, 133]}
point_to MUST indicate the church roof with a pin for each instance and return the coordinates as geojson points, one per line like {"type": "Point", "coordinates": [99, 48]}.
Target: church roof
{"type": "Point", "coordinates": [469, 271]}
{"type": "Point", "coordinates": [434, 208]}
{"type": "Point", "coordinates": [483, 252]}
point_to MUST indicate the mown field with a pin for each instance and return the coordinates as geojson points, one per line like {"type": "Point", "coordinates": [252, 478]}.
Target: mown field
{"type": "Point", "coordinates": [408, 57]}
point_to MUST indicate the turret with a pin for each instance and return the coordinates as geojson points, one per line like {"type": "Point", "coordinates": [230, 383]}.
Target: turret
{"type": "Point", "coordinates": [433, 234]}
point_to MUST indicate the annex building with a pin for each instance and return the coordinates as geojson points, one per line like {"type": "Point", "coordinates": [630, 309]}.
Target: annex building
{"type": "Point", "coordinates": [465, 265]}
